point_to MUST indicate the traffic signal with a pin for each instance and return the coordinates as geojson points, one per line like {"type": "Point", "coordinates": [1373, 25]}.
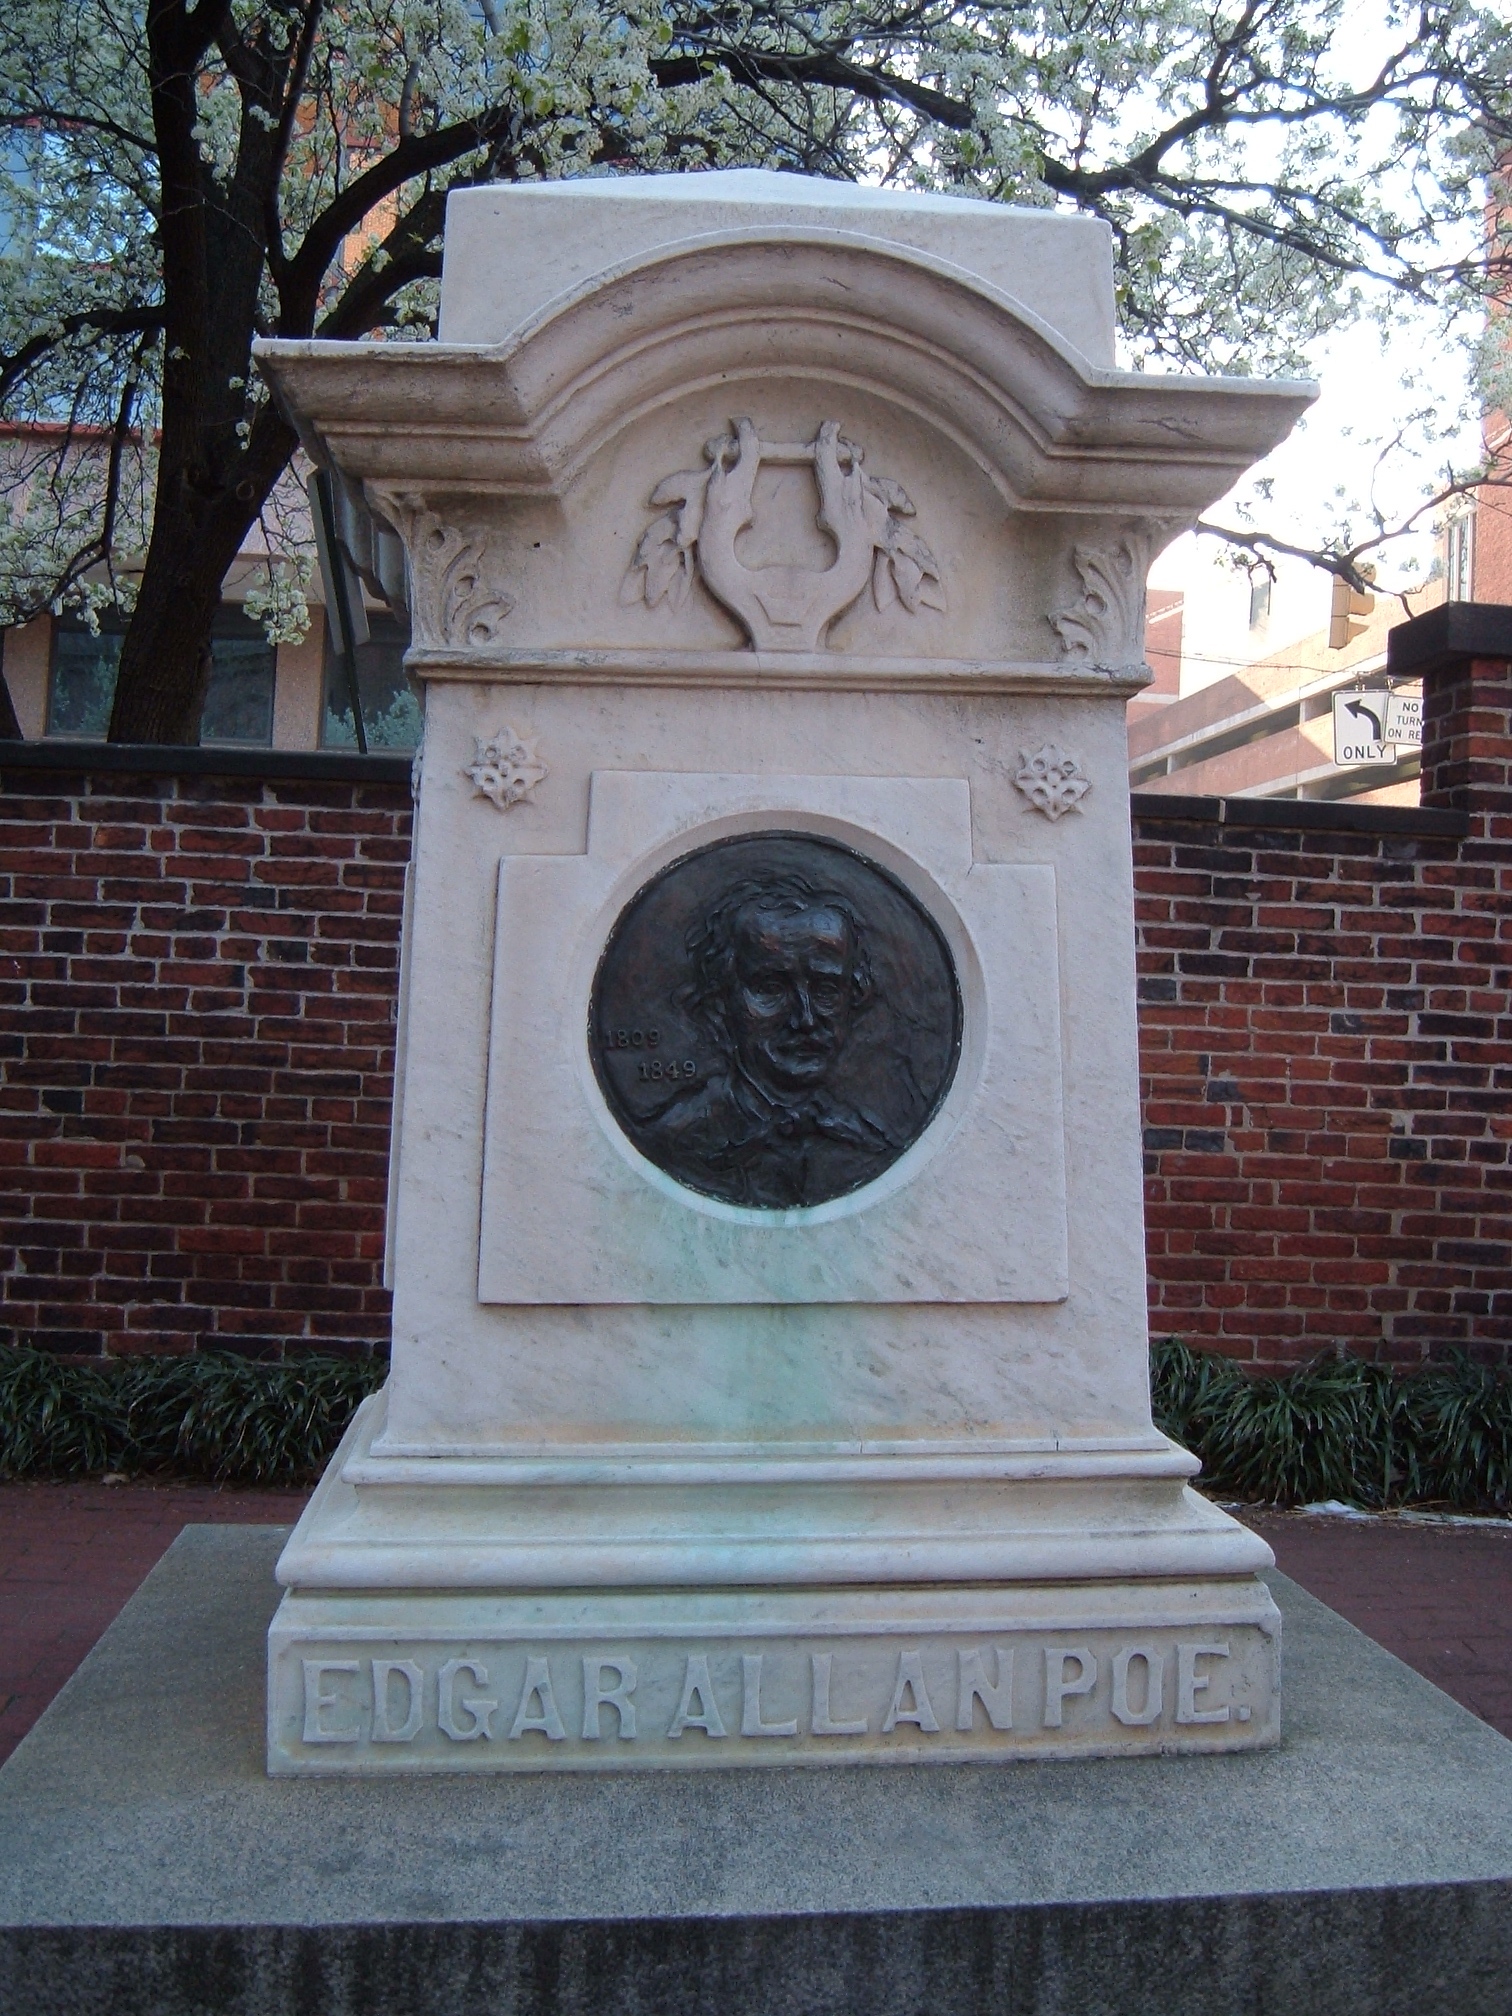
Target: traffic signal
{"type": "Point", "coordinates": [1348, 606]}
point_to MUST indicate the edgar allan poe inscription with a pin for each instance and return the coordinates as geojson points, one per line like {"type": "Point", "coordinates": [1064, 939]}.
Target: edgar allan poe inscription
{"type": "Point", "coordinates": [775, 1019]}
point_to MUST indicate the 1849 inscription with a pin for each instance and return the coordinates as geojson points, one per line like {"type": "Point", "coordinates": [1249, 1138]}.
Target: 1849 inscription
{"type": "Point", "coordinates": [775, 1019]}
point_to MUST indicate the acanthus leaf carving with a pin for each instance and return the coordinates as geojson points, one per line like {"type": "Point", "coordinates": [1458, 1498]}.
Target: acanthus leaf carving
{"type": "Point", "coordinates": [784, 608]}
{"type": "Point", "coordinates": [1105, 627]}
{"type": "Point", "coordinates": [456, 598]}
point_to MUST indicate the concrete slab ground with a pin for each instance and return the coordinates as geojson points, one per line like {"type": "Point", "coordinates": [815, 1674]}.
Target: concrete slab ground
{"type": "Point", "coordinates": [146, 1863]}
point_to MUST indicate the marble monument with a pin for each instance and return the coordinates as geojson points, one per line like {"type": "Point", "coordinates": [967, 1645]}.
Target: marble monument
{"type": "Point", "coordinates": [769, 1376]}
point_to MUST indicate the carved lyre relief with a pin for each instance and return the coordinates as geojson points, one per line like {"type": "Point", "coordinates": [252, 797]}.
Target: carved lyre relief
{"type": "Point", "coordinates": [784, 608]}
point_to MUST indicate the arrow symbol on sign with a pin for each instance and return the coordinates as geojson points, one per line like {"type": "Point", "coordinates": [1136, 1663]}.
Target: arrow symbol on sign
{"type": "Point", "coordinates": [1363, 713]}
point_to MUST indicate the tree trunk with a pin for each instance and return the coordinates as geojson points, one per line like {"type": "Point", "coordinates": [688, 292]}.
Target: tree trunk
{"type": "Point", "coordinates": [165, 657]}
{"type": "Point", "coordinates": [214, 473]}
{"type": "Point", "coordinates": [10, 727]}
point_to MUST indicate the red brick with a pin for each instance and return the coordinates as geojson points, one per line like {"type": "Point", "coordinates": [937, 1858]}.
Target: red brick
{"type": "Point", "coordinates": [211, 973]}
{"type": "Point", "coordinates": [148, 1001]}
{"type": "Point", "coordinates": [1349, 989]}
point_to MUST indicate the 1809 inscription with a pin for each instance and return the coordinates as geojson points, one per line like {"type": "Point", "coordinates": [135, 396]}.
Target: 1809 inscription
{"type": "Point", "coordinates": [775, 1019]}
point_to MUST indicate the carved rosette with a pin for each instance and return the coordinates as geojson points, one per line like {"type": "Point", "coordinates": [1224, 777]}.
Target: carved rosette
{"type": "Point", "coordinates": [784, 608]}
{"type": "Point", "coordinates": [505, 769]}
{"type": "Point", "coordinates": [456, 598]}
{"type": "Point", "coordinates": [1053, 782]}
{"type": "Point", "coordinates": [1105, 626]}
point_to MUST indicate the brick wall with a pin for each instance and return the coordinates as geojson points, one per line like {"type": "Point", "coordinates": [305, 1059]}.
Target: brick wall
{"type": "Point", "coordinates": [197, 971]}
{"type": "Point", "coordinates": [197, 984]}
{"type": "Point", "coordinates": [1326, 1045]}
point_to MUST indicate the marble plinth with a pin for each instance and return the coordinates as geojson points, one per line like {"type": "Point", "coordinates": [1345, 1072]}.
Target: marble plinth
{"type": "Point", "coordinates": [781, 1334]}
{"type": "Point", "coordinates": [506, 1623]}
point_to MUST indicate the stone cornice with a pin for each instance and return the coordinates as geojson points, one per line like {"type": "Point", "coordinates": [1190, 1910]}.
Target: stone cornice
{"type": "Point", "coordinates": [1050, 430]}
{"type": "Point", "coordinates": [785, 670]}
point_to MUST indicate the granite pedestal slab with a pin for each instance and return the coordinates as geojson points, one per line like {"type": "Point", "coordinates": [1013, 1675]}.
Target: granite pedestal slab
{"type": "Point", "coordinates": [148, 1866]}
{"type": "Point", "coordinates": [769, 1337]}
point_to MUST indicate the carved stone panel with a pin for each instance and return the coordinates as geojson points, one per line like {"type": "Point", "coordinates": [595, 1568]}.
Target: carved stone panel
{"type": "Point", "coordinates": [1053, 782]}
{"type": "Point", "coordinates": [784, 608]}
{"type": "Point", "coordinates": [457, 597]}
{"type": "Point", "coordinates": [505, 767]}
{"type": "Point", "coordinates": [971, 1674]}
{"type": "Point", "coordinates": [775, 1019]}
{"type": "Point", "coordinates": [590, 1197]}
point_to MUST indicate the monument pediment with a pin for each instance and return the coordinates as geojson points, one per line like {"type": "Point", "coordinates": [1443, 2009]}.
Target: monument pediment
{"type": "Point", "coordinates": [1049, 429]}
{"type": "Point", "coordinates": [1000, 473]}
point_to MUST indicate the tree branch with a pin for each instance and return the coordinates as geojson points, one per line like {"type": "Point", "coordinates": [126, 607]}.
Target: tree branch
{"type": "Point", "coordinates": [201, 25]}
{"type": "Point", "coordinates": [410, 252]}
{"type": "Point", "coordinates": [403, 163]}
{"type": "Point", "coordinates": [822, 67]}
{"type": "Point", "coordinates": [407, 100]}
{"type": "Point", "coordinates": [96, 550]}
{"type": "Point", "coordinates": [103, 321]}
{"type": "Point", "coordinates": [119, 436]}
{"type": "Point", "coordinates": [1344, 563]}
{"type": "Point", "coordinates": [299, 70]}
{"type": "Point", "coordinates": [46, 116]}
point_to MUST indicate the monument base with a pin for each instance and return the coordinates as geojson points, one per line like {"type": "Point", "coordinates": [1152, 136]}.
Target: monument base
{"type": "Point", "coordinates": [149, 1867]}
{"type": "Point", "coordinates": [504, 1614]}
{"type": "Point", "coordinates": [481, 1682]}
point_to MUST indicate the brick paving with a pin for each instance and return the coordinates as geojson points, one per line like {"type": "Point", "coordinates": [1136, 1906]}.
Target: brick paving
{"type": "Point", "coordinates": [1439, 1597]}
{"type": "Point", "coordinates": [71, 1555]}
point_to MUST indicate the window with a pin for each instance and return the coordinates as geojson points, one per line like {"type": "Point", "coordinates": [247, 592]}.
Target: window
{"type": "Point", "coordinates": [238, 705]}
{"type": "Point", "coordinates": [83, 681]}
{"type": "Point", "coordinates": [1459, 557]}
{"type": "Point", "coordinates": [390, 706]}
{"type": "Point", "coordinates": [1260, 600]}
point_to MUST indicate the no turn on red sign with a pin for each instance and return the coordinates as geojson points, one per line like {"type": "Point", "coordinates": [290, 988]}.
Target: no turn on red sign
{"type": "Point", "coordinates": [1404, 718]}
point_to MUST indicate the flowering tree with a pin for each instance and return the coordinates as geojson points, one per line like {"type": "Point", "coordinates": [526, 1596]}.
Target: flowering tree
{"type": "Point", "coordinates": [179, 178]}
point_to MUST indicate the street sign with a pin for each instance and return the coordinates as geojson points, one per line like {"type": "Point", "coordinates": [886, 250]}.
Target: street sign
{"type": "Point", "coordinates": [1359, 724]}
{"type": "Point", "coordinates": [1404, 719]}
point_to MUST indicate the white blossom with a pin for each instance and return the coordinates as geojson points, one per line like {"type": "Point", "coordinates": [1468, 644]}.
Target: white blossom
{"type": "Point", "coordinates": [1268, 174]}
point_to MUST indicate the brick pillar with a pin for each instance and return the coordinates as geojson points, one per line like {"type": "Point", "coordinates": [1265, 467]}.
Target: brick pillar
{"type": "Point", "coordinates": [1462, 651]}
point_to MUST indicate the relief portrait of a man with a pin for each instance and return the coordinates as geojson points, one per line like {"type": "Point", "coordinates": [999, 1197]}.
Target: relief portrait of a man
{"type": "Point", "coordinates": [781, 974]}
{"type": "Point", "coordinates": [774, 1020]}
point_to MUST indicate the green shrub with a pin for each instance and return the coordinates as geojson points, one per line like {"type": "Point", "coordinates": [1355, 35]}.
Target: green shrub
{"type": "Point", "coordinates": [214, 1416]}
{"type": "Point", "coordinates": [1339, 1428]}
{"type": "Point", "coordinates": [56, 1420]}
{"type": "Point", "coordinates": [1460, 1419]}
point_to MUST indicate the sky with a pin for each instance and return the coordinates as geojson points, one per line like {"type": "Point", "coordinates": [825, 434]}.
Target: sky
{"type": "Point", "coordinates": [1323, 478]}
{"type": "Point", "coordinates": [1367, 391]}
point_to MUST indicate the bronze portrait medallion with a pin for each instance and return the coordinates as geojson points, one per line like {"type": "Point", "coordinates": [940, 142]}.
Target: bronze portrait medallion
{"type": "Point", "coordinates": [774, 1020]}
